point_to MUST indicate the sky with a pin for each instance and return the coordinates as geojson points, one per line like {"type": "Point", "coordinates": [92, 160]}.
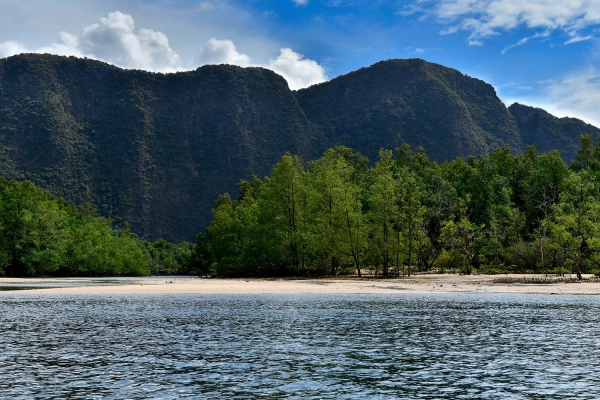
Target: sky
{"type": "Point", "coordinates": [544, 53]}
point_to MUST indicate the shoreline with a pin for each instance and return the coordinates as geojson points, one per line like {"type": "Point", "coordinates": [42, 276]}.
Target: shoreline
{"type": "Point", "coordinates": [427, 283]}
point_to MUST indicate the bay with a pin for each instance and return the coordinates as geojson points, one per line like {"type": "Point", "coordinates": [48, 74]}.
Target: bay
{"type": "Point", "coordinates": [422, 346]}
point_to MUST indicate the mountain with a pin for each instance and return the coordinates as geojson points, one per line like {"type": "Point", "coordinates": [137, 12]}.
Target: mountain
{"type": "Point", "coordinates": [157, 149]}
{"type": "Point", "coordinates": [415, 102]}
{"type": "Point", "coordinates": [153, 149]}
{"type": "Point", "coordinates": [549, 132]}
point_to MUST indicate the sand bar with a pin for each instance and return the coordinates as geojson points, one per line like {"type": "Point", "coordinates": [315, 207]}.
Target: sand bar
{"type": "Point", "coordinates": [430, 283]}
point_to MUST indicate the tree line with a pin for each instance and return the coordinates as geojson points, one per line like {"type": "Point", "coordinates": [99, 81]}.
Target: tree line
{"type": "Point", "coordinates": [495, 214]}
{"type": "Point", "coordinates": [41, 235]}
{"type": "Point", "coordinates": [340, 214]}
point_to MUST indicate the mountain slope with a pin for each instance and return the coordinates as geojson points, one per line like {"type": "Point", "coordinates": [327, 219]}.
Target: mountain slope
{"type": "Point", "coordinates": [152, 149]}
{"type": "Point", "coordinates": [157, 149]}
{"type": "Point", "coordinates": [549, 132]}
{"type": "Point", "coordinates": [411, 101]}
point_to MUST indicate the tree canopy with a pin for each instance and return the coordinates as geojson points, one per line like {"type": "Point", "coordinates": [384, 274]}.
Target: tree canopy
{"type": "Point", "coordinates": [338, 214]}
{"type": "Point", "coordinates": [41, 235]}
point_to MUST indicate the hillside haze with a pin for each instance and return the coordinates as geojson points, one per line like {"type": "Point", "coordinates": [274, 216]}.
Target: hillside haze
{"type": "Point", "coordinates": [157, 149]}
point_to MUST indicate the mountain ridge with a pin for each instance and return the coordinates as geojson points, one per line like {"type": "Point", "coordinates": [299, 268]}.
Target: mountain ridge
{"type": "Point", "coordinates": [156, 149]}
{"type": "Point", "coordinates": [399, 95]}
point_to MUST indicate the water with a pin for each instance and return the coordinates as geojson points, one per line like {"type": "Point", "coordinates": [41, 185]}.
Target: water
{"type": "Point", "coordinates": [49, 283]}
{"type": "Point", "coordinates": [434, 346]}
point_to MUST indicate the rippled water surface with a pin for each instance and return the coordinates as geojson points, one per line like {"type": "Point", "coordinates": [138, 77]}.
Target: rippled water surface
{"type": "Point", "coordinates": [300, 346]}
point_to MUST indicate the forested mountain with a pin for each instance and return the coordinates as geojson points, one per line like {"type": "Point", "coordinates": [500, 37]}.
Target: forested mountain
{"type": "Point", "coordinates": [151, 149]}
{"type": "Point", "coordinates": [415, 102]}
{"type": "Point", "coordinates": [157, 149]}
{"type": "Point", "coordinates": [549, 132]}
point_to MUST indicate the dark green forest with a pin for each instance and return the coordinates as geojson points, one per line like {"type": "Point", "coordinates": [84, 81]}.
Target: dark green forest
{"type": "Point", "coordinates": [93, 156]}
{"type": "Point", "coordinates": [340, 214]}
{"type": "Point", "coordinates": [41, 235]}
{"type": "Point", "coordinates": [404, 214]}
{"type": "Point", "coordinates": [155, 150]}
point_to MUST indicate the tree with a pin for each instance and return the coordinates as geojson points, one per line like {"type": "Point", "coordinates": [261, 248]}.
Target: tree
{"type": "Point", "coordinates": [576, 212]}
{"type": "Point", "coordinates": [337, 226]}
{"type": "Point", "coordinates": [232, 236]}
{"type": "Point", "coordinates": [463, 235]}
{"type": "Point", "coordinates": [440, 201]}
{"type": "Point", "coordinates": [408, 218]}
{"type": "Point", "coordinates": [31, 230]}
{"type": "Point", "coordinates": [283, 207]}
{"type": "Point", "coordinates": [383, 200]}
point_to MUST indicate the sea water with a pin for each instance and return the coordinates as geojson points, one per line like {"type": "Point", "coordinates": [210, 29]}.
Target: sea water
{"type": "Point", "coordinates": [421, 346]}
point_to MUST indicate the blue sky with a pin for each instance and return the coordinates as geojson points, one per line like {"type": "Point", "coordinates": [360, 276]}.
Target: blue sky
{"type": "Point", "coordinates": [544, 53]}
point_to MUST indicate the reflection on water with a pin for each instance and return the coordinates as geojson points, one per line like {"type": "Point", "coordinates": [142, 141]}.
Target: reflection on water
{"type": "Point", "coordinates": [300, 346]}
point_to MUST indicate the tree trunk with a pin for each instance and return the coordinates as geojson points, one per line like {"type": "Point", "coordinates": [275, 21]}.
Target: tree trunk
{"type": "Point", "coordinates": [333, 265]}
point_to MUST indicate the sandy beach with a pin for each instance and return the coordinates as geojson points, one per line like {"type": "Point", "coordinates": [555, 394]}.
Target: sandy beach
{"type": "Point", "coordinates": [429, 283]}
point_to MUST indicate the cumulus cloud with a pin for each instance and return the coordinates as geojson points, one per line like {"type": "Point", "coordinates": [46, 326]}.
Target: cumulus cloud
{"type": "Point", "coordinates": [223, 52]}
{"type": "Point", "coordinates": [67, 45]}
{"type": "Point", "coordinates": [485, 18]}
{"type": "Point", "coordinates": [11, 48]}
{"type": "Point", "coordinates": [113, 39]}
{"type": "Point", "coordinates": [297, 71]}
{"type": "Point", "coordinates": [577, 95]}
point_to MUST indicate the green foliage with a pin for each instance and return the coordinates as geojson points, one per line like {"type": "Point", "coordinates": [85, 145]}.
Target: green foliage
{"type": "Point", "coordinates": [157, 149]}
{"type": "Point", "coordinates": [500, 214]}
{"type": "Point", "coordinates": [43, 235]}
{"type": "Point", "coordinates": [449, 261]}
{"type": "Point", "coordinates": [174, 259]}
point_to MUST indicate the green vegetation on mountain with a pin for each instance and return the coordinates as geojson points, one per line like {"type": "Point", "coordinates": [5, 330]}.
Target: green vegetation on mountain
{"type": "Point", "coordinates": [411, 101]}
{"type": "Point", "coordinates": [151, 149]}
{"type": "Point", "coordinates": [497, 214]}
{"type": "Point", "coordinates": [549, 132]}
{"type": "Point", "coordinates": [157, 149]}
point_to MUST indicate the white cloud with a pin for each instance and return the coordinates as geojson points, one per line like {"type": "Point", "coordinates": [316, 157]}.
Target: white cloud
{"type": "Point", "coordinates": [297, 71]}
{"type": "Point", "coordinates": [410, 9]}
{"type": "Point", "coordinates": [223, 52]}
{"type": "Point", "coordinates": [300, 2]}
{"type": "Point", "coordinates": [11, 48]}
{"type": "Point", "coordinates": [577, 95]}
{"type": "Point", "coordinates": [485, 18]}
{"type": "Point", "coordinates": [113, 39]}
{"type": "Point", "coordinates": [212, 5]}
{"type": "Point", "coordinates": [67, 45]}
{"type": "Point", "coordinates": [579, 39]}
{"type": "Point", "coordinates": [525, 40]}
